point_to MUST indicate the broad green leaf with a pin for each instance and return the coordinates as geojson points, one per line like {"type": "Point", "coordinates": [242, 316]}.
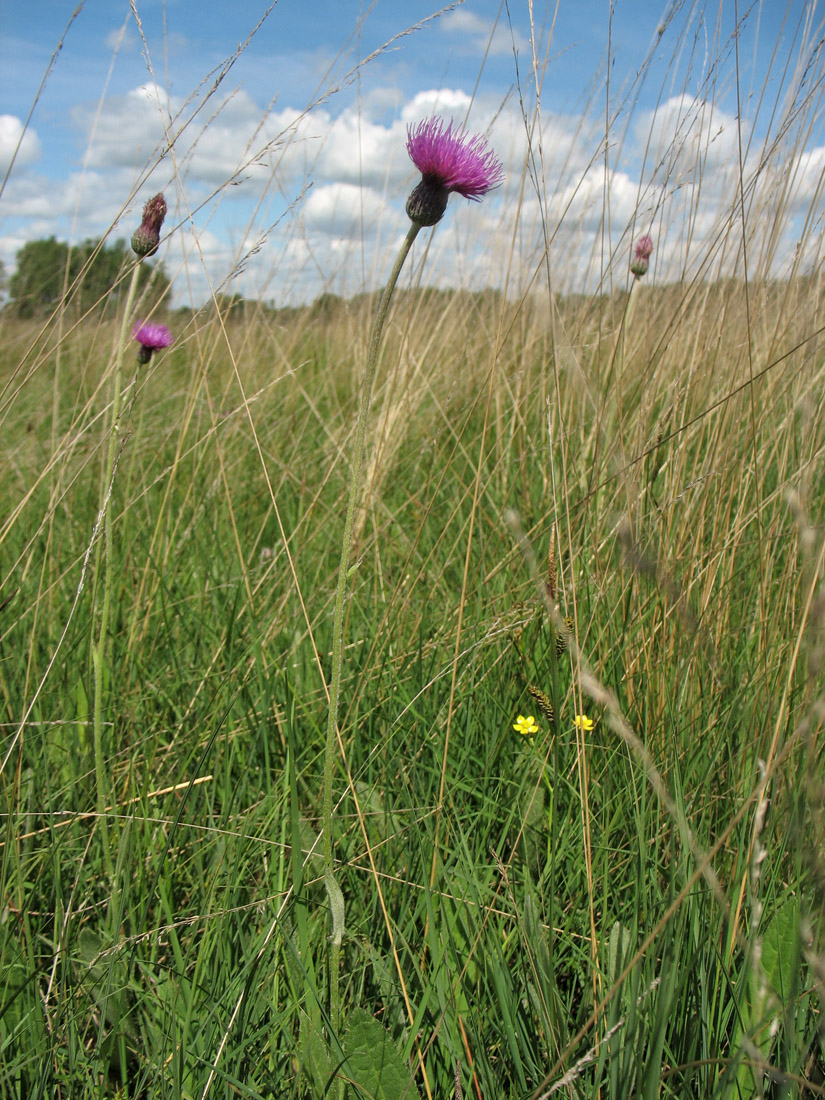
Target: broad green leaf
{"type": "Point", "coordinates": [780, 950]}
{"type": "Point", "coordinates": [336, 906]}
{"type": "Point", "coordinates": [372, 1062]}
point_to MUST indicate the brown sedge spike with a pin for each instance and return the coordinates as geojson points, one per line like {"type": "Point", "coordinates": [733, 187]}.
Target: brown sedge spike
{"type": "Point", "coordinates": [551, 564]}
{"type": "Point", "coordinates": [562, 640]}
{"type": "Point", "coordinates": [543, 703]}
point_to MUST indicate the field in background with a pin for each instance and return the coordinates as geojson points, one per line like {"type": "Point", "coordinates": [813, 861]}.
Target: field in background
{"type": "Point", "coordinates": [632, 910]}
{"type": "Point", "coordinates": [682, 467]}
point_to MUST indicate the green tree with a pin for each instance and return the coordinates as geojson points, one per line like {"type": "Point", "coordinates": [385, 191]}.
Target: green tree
{"type": "Point", "coordinates": [94, 268]}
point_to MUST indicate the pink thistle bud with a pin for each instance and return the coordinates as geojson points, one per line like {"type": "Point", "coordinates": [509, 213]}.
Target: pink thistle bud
{"type": "Point", "coordinates": [151, 338]}
{"type": "Point", "coordinates": [642, 251]}
{"type": "Point", "coordinates": [448, 162]}
{"type": "Point", "coordinates": [145, 240]}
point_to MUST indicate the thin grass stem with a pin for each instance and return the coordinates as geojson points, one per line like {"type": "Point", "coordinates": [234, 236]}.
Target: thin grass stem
{"type": "Point", "coordinates": [340, 599]}
{"type": "Point", "coordinates": [99, 648]}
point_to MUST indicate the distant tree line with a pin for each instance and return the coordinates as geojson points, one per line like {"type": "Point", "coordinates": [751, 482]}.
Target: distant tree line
{"type": "Point", "coordinates": [90, 274]}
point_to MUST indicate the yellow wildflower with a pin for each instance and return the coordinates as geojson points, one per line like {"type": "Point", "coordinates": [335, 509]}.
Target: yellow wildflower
{"type": "Point", "coordinates": [526, 726]}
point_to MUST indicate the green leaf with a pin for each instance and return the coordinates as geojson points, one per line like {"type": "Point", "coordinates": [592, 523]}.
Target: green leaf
{"type": "Point", "coordinates": [617, 950]}
{"type": "Point", "coordinates": [317, 1057]}
{"type": "Point", "coordinates": [372, 1063]}
{"type": "Point", "coordinates": [18, 993]}
{"type": "Point", "coordinates": [336, 906]}
{"type": "Point", "coordinates": [780, 947]}
{"type": "Point", "coordinates": [107, 978]}
{"type": "Point", "coordinates": [773, 985]}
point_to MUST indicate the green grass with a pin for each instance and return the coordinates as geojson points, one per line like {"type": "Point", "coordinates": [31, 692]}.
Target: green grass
{"type": "Point", "coordinates": [565, 923]}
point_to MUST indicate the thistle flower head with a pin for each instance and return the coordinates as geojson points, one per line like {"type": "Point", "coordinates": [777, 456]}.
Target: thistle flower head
{"type": "Point", "coordinates": [642, 251]}
{"type": "Point", "coordinates": [448, 161]}
{"type": "Point", "coordinates": [151, 338]}
{"type": "Point", "coordinates": [145, 240]}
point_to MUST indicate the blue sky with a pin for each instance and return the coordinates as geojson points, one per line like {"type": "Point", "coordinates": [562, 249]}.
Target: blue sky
{"type": "Point", "coordinates": [290, 177]}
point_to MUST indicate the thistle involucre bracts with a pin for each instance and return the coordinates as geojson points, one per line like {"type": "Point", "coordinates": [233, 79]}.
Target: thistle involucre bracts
{"type": "Point", "coordinates": [146, 238]}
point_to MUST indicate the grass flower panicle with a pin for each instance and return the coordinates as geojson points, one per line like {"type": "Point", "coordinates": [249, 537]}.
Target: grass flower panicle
{"type": "Point", "coordinates": [448, 161]}
{"type": "Point", "coordinates": [151, 338]}
{"type": "Point", "coordinates": [526, 726]}
{"type": "Point", "coordinates": [146, 238]}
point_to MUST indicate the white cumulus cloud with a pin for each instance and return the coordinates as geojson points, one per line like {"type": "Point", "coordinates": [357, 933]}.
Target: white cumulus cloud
{"type": "Point", "coordinates": [23, 148]}
{"type": "Point", "coordinates": [481, 35]}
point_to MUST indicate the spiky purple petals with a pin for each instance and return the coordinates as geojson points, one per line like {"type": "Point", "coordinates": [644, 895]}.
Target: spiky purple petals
{"type": "Point", "coordinates": [151, 338]}
{"type": "Point", "coordinates": [448, 161]}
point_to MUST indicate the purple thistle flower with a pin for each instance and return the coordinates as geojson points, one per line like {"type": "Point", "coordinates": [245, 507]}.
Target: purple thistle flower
{"type": "Point", "coordinates": [145, 240]}
{"type": "Point", "coordinates": [642, 251]}
{"type": "Point", "coordinates": [151, 338]}
{"type": "Point", "coordinates": [448, 162]}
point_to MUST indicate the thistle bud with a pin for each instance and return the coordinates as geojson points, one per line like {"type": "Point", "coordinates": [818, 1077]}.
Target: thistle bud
{"type": "Point", "coordinates": [642, 251]}
{"type": "Point", "coordinates": [145, 240]}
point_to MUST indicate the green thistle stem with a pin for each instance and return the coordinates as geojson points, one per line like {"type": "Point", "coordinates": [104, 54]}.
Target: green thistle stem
{"type": "Point", "coordinates": [104, 518]}
{"type": "Point", "coordinates": [340, 599]}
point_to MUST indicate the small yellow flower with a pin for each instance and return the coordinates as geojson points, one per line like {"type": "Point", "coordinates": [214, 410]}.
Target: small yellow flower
{"type": "Point", "coordinates": [526, 726]}
{"type": "Point", "coordinates": [582, 722]}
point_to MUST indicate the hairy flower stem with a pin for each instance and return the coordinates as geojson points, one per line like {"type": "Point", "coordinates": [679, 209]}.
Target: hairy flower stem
{"type": "Point", "coordinates": [340, 599]}
{"type": "Point", "coordinates": [105, 521]}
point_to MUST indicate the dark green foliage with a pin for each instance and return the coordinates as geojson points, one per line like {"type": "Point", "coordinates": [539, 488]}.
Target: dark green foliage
{"type": "Point", "coordinates": [89, 276]}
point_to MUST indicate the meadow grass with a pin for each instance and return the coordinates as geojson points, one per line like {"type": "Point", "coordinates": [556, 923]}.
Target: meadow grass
{"type": "Point", "coordinates": [565, 902]}
{"type": "Point", "coordinates": [633, 910]}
